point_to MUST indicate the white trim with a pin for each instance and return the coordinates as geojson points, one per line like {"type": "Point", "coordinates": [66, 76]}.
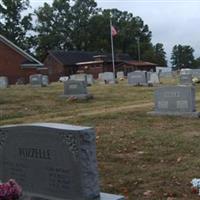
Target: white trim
{"type": "Point", "coordinates": [90, 62]}
{"type": "Point", "coordinates": [19, 50]}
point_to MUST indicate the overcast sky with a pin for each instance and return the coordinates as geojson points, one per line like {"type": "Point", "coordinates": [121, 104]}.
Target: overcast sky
{"type": "Point", "coordinates": [171, 21]}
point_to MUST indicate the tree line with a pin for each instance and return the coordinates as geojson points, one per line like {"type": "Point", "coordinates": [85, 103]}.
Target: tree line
{"type": "Point", "coordinates": [82, 25]}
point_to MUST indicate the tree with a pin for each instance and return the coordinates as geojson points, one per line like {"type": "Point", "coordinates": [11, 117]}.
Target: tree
{"type": "Point", "coordinates": [129, 29]}
{"type": "Point", "coordinates": [82, 11]}
{"type": "Point", "coordinates": [160, 55]}
{"type": "Point", "coordinates": [54, 27]}
{"type": "Point", "coordinates": [12, 25]}
{"type": "Point", "coordinates": [182, 56]}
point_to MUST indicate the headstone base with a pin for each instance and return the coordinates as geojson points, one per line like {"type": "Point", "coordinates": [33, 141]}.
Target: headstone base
{"type": "Point", "coordinates": [180, 114]}
{"type": "Point", "coordinates": [103, 196]}
{"type": "Point", "coordinates": [80, 96]}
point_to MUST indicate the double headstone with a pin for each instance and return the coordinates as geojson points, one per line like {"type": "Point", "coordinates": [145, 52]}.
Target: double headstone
{"type": "Point", "coordinates": [137, 78]}
{"type": "Point", "coordinates": [39, 80]}
{"type": "Point", "coordinates": [3, 82]}
{"type": "Point", "coordinates": [175, 100]}
{"type": "Point", "coordinates": [76, 89]}
{"type": "Point", "coordinates": [185, 79]}
{"type": "Point", "coordinates": [51, 161]}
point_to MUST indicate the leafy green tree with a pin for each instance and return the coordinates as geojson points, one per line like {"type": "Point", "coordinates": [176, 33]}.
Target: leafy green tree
{"type": "Point", "coordinates": [196, 63]}
{"type": "Point", "coordinates": [129, 30]}
{"type": "Point", "coordinates": [160, 55]}
{"type": "Point", "coordinates": [182, 56]}
{"type": "Point", "coordinates": [12, 25]}
{"type": "Point", "coordinates": [82, 11]}
{"type": "Point", "coordinates": [54, 27]}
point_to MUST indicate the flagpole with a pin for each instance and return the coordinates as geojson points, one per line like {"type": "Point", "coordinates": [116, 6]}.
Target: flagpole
{"type": "Point", "coordinates": [113, 58]}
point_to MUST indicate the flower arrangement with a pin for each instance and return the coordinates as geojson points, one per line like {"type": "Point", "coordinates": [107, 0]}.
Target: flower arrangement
{"type": "Point", "coordinates": [10, 190]}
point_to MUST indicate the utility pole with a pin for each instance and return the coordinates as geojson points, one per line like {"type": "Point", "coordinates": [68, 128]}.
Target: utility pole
{"type": "Point", "coordinates": [138, 47]}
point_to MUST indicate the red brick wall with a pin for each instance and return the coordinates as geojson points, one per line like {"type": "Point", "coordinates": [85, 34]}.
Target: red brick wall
{"type": "Point", "coordinates": [10, 61]}
{"type": "Point", "coordinates": [91, 69]}
{"type": "Point", "coordinates": [55, 69]}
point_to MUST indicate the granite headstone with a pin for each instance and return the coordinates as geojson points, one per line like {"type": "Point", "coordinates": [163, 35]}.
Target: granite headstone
{"type": "Point", "coordinates": [154, 78]}
{"type": "Point", "coordinates": [108, 78]}
{"type": "Point", "coordinates": [185, 79]}
{"type": "Point", "coordinates": [36, 80]}
{"type": "Point", "coordinates": [51, 161]}
{"type": "Point", "coordinates": [120, 75]}
{"type": "Point", "coordinates": [175, 100]}
{"type": "Point", "coordinates": [137, 78]}
{"type": "Point", "coordinates": [3, 82]}
{"type": "Point", "coordinates": [76, 89]}
{"type": "Point", "coordinates": [90, 79]}
{"type": "Point", "coordinates": [79, 77]}
{"type": "Point", "coordinates": [45, 80]}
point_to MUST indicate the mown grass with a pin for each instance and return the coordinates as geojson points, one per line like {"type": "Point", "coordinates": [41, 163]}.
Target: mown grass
{"type": "Point", "coordinates": [136, 152]}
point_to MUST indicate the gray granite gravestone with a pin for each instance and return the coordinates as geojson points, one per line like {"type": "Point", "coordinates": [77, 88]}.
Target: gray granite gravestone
{"type": "Point", "coordinates": [120, 75]}
{"type": "Point", "coordinates": [36, 80]}
{"type": "Point", "coordinates": [175, 100]}
{"type": "Point", "coordinates": [137, 78]}
{"type": "Point", "coordinates": [196, 73]}
{"type": "Point", "coordinates": [3, 82]}
{"type": "Point", "coordinates": [90, 79]}
{"type": "Point", "coordinates": [154, 78]}
{"type": "Point", "coordinates": [108, 78]}
{"type": "Point", "coordinates": [76, 89]}
{"type": "Point", "coordinates": [51, 161]}
{"type": "Point", "coordinates": [185, 79]}
{"type": "Point", "coordinates": [45, 80]}
{"type": "Point", "coordinates": [79, 77]}
{"type": "Point", "coordinates": [148, 76]}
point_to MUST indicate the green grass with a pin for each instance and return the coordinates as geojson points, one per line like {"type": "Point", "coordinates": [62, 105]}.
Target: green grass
{"type": "Point", "coordinates": [135, 152]}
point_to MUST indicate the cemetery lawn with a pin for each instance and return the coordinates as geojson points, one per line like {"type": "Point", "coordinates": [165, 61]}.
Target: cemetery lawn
{"type": "Point", "coordinates": [139, 156]}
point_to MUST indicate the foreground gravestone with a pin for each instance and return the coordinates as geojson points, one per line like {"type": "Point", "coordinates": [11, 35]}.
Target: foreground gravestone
{"type": "Point", "coordinates": [76, 89]}
{"type": "Point", "coordinates": [3, 82]}
{"type": "Point", "coordinates": [120, 75]}
{"type": "Point", "coordinates": [45, 80]}
{"type": "Point", "coordinates": [51, 161]}
{"type": "Point", "coordinates": [108, 78]}
{"type": "Point", "coordinates": [175, 100]}
{"type": "Point", "coordinates": [137, 78]}
{"type": "Point", "coordinates": [35, 80]}
{"type": "Point", "coordinates": [185, 79]}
